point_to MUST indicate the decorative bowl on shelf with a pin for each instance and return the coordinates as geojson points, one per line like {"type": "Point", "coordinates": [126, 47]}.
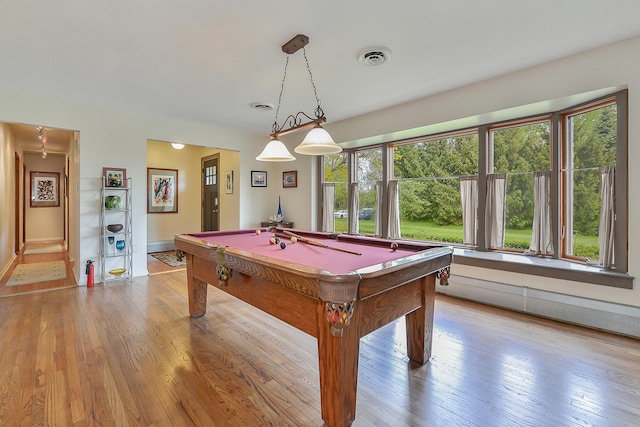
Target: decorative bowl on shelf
{"type": "Point", "coordinates": [114, 228]}
{"type": "Point", "coordinates": [276, 218]}
{"type": "Point", "coordinates": [112, 202]}
{"type": "Point", "coordinates": [117, 271]}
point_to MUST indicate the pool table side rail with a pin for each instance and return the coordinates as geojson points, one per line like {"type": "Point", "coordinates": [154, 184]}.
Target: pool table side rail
{"type": "Point", "coordinates": [305, 279]}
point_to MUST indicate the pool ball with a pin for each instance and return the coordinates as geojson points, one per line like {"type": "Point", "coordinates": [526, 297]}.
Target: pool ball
{"type": "Point", "coordinates": [272, 241]}
{"type": "Point", "coordinates": [394, 246]}
{"type": "Point", "coordinates": [294, 239]}
{"type": "Point", "coordinates": [258, 232]}
{"type": "Point", "coordinates": [283, 245]}
{"type": "Point", "coordinates": [277, 240]}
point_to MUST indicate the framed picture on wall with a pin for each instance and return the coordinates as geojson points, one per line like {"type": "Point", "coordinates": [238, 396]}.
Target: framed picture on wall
{"type": "Point", "coordinates": [228, 182]}
{"type": "Point", "coordinates": [162, 189]}
{"type": "Point", "coordinates": [114, 177]}
{"type": "Point", "coordinates": [258, 178]}
{"type": "Point", "coordinates": [289, 179]}
{"type": "Point", "coordinates": [45, 189]}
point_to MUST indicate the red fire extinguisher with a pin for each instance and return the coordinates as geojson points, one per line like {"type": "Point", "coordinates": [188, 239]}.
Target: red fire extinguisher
{"type": "Point", "coordinates": [89, 271]}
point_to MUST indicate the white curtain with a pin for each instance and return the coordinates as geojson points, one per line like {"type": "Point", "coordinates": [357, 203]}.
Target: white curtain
{"type": "Point", "coordinates": [379, 207]}
{"type": "Point", "coordinates": [328, 206]}
{"type": "Point", "coordinates": [541, 237]}
{"type": "Point", "coordinates": [394, 211]}
{"type": "Point", "coordinates": [607, 216]}
{"type": "Point", "coordinates": [353, 212]}
{"type": "Point", "coordinates": [495, 210]}
{"type": "Point", "coordinates": [469, 200]}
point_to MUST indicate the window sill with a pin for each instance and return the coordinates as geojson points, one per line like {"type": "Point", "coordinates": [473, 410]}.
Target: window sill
{"type": "Point", "coordinates": [544, 267]}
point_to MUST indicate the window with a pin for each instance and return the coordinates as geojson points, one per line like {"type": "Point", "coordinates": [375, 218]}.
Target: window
{"type": "Point", "coordinates": [335, 176]}
{"type": "Point", "coordinates": [562, 180]}
{"type": "Point", "coordinates": [428, 173]}
{"type": "Point", "coordinates": [369, 178]}
{"type": "Point", "coordinates": [590, 143]}
{"type": "Point", "coordinates": [518, 151]}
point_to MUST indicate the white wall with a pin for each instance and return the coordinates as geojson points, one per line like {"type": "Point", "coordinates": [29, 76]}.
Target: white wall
{"type": "Point", "coordinates": [115, 139]}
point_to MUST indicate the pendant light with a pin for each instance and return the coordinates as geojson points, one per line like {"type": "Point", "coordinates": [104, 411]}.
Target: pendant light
{"type": "Point", "coordinates": [318, 141]}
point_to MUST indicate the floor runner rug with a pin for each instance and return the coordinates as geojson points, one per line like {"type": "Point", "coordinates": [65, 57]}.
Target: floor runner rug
{"type": "Point", "coordinates": [37, 272]}
{"type": "Point", "coordinates": [169, 258]}
{"type": "Point", "coordinates": [47, 248]}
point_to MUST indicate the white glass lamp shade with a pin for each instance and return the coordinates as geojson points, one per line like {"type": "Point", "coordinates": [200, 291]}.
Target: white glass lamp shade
{"type": "Point", "coordinates": [177, 146]}
{"type": "Point", "coordinates": [317, 143]}
{"type": "Point", "coordinates": [275, 151]}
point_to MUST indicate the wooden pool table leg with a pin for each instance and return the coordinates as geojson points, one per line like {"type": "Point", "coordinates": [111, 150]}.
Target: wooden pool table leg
{"type": "Point", "coordinates": [338, 366]}
{"type": "Point", "coordinates": [420, 323]}
{"type": "Point", "coordinates": [197, 290]}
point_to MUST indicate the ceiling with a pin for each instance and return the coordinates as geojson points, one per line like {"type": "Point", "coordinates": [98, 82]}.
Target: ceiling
{"type": "Point", "coordinates": [207, 61]}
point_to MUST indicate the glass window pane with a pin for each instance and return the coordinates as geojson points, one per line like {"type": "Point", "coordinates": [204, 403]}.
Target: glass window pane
{"type": "Point", "coordinates": [369, 171]}
{"type": "Point", "coordinates": [335, 171]}
{"type": "Point", "coordinates": [428, 175]}
{"type": "Point", "coordinates": [590, 143]}
{"type": "Point", "coordinates": [519, 151]}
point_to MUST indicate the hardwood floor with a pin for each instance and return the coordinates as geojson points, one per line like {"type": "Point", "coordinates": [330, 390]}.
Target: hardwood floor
{"type": "Point", "coordinates": [154, 266]}
{"type": "Point", "coordinates": [128, 354]}
{"type": "Point", "coordinates": [39, 286]}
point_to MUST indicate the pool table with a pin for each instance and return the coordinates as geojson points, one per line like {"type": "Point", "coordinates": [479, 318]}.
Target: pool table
{"type": "Point", "coordinates": [335, 287]}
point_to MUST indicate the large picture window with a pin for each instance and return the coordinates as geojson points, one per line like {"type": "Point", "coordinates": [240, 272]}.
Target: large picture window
{"type": "Point", "coordinates": [553, 185]}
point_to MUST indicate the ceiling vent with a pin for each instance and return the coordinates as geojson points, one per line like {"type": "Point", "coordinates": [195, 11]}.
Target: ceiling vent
{"type": "Point", "coordinates": [262, 106]}
{"type": "Point", "coordinates": [374, 55]}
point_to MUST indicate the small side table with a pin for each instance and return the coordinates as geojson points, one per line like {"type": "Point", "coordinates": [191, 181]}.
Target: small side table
{"type": "Point", "coordinates": [283, 224]}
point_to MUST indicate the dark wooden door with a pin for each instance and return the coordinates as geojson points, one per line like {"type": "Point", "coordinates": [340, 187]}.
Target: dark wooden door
{"type": "Point", "coordinates": [210, 197]}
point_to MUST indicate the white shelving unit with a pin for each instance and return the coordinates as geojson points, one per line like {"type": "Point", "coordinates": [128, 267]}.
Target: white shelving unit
{"type": "Point", "coordinates": [116, 248]}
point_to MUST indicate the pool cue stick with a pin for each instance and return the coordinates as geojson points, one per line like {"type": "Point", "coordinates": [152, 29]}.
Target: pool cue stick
{"type": "Point", "coordinates": [315, 243]}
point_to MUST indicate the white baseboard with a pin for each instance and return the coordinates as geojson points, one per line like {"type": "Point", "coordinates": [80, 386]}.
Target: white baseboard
{"type": "Point", "coordinates": [160, 246]}
{"type": "Point", "coordinates": [607, 316]}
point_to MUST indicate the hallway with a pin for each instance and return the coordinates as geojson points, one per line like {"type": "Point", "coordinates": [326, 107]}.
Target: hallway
{"type": "Point", "coordinates": [39, 286]}
{"type": "Point", "coordinates": [154, 266]}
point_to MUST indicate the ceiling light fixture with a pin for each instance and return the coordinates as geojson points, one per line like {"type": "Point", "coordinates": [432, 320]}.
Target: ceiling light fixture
{"type": "Point", "coordinates": [44, 152]}
{"type": "Point", "coordinates": [177, 146]}
{"type": "Point", "coordinates": [318, 141]}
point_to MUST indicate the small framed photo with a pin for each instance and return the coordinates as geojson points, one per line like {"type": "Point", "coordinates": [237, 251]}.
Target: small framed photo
{"type": "Point", "coordinates": [45, 189]}
{"type": "Point", "coordinates": [162, 188]}
{"type": "Point", "coordinates": [114, 177]}
{"type": "Point", "coordinates": [289, 179]}
{"type": "Point", "coordinates": [228, 182]}
{"type": "Point", "coordinates": [258, 178]}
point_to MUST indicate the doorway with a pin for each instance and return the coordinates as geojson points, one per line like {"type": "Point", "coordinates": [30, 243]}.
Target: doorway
{"type": "Point", "coordinates": [210, 193]}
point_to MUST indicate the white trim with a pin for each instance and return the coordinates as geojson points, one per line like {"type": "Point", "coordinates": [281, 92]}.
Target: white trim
{"type": "Point", "coordinates": [612, 317]}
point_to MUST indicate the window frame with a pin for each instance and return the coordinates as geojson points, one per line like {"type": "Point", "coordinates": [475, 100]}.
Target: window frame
{"type": "Point", "coordinates": [501, 259]}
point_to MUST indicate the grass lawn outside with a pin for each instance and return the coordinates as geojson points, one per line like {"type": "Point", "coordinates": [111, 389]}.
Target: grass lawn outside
{"type": "Point", "coordinates": [584, 246]}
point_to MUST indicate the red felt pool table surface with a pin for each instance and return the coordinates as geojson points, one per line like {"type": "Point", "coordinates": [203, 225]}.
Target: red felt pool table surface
{"type": "Point", "coordinates": [373, 251]}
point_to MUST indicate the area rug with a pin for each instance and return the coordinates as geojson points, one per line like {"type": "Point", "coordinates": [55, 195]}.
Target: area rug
{"type": "Point", "coordinates": [169, 258]}
{"type": "Point", "coordinates": [37, 272]}
{"type": "Point", "coordinates": [43, 248]}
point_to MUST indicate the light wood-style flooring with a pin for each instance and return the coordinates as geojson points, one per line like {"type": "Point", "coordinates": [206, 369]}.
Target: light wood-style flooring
{"type": "Point", "coordinates": [40, 286]}
{"type": "Point", "coordinates": [127, 354]}
{"type": "Point", "coordinates": [154, 266]}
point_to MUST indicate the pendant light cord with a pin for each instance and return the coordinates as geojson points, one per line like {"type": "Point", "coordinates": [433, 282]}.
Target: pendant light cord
{"type": "Point", "coordinates": [319, 112]}
{"type": "Point", "coordinates": [275, 123]}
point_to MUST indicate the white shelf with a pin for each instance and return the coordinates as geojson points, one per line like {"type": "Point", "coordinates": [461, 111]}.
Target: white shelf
{"type": "Point", "coordinates": [110, 257]}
